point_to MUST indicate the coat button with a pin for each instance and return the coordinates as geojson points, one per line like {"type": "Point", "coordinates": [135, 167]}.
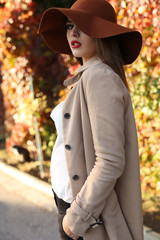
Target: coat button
{"type": "Point", "coordinates": [67, 147]}
{"type": "Point", "coordinates": [67, 115]}
{"type": "Point", "coordinates": [75, 177]}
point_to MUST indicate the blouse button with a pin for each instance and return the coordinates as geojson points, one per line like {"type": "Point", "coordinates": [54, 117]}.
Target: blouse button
{"type": "Point", "coordinates": [75, 177]}
{"type": "Point", "coordinates": [67, 147]}
{"type": "Point", "coordinates": [67, 115]}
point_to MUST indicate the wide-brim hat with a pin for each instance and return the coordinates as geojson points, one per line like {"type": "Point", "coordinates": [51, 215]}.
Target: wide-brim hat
{"type": "Point", "coordinates": [97, 19]}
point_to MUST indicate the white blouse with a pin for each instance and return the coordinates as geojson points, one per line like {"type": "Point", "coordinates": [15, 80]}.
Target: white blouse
{"type": "Point", "coordinates": [59, 175]}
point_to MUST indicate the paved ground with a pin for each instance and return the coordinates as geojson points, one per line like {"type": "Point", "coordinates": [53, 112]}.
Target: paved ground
{"type": "Point", "coordinates": [27, 210]}
{"type": "Point", "coordinates": [149, 235]}
{"type": "Point", "coordinates": [25, 213]}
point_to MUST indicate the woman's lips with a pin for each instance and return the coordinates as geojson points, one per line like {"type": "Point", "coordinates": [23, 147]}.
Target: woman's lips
{"type": "Point", "coordinates": [75, 44]}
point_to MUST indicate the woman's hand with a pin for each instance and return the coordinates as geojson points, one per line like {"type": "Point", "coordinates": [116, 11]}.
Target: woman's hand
{"type": "Point", "coordinates": [68, 231]}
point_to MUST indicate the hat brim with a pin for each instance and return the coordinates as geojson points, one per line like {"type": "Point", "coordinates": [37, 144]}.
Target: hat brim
{"type": "Point", "coordinates": [53, 30]}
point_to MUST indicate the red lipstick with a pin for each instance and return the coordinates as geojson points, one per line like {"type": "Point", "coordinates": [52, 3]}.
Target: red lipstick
{"type": "Point", "coordinates": [75, 44]}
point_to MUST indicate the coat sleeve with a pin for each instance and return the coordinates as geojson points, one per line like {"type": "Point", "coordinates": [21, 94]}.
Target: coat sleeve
{"type": "Point", "coordinates": [105, 103]}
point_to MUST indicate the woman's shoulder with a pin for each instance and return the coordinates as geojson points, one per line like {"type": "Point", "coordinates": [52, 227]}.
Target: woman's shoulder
{"type": "Point", "coordinates": [101, 75]}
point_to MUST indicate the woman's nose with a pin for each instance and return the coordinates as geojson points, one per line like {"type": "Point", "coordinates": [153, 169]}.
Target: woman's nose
{"type": "Point", "coordinates": [75, 31]}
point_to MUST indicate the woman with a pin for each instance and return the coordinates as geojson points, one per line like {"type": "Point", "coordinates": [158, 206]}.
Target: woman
{"type": "Point", "coordinates": [95, 160]}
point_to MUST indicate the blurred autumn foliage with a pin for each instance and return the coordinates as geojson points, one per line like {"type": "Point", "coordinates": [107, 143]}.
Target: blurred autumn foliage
{"type": "Point", "coordinates": [23, 55]}
{"type": "Point", "coordinates": [144, 78]}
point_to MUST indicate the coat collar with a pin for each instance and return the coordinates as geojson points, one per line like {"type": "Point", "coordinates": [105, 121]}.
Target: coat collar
{"type": "Point", "coordinates": [93, 61]}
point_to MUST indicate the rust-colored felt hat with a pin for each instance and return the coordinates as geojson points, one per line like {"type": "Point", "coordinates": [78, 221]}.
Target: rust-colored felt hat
{"type": "Point", "coordinates": [97, 19]}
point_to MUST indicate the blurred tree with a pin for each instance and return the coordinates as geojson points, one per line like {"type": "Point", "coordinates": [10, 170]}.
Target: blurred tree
{"type": "Point", "coordinates": [2, 111]}
{"type": "Point", "coordinates": [144, 77]}
{"type": "Point", "coordinates": [23, 55]}
{"type": "Point", "coordinates": [56, 3]}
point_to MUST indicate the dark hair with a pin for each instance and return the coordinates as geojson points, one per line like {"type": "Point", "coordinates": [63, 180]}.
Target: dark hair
{"type": "Point", "coordinates": [79, 60]}
{"type": "Point", "coordinates": [108, 51]}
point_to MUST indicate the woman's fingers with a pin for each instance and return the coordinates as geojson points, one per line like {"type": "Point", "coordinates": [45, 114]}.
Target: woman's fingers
{"type": "Point", "coordinates": [68, 231]}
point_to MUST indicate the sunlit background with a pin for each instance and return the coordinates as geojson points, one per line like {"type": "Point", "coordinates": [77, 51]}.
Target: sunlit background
{"type": "Point", "coordinates": [31, 78]}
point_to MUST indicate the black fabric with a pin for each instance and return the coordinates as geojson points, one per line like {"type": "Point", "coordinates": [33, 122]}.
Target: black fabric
{"type": "Point", "coordinates": [62, 207]}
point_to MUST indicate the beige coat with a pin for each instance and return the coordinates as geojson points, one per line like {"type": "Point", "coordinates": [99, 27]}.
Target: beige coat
{"type": "Point", "coordinates": [102, 156]}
